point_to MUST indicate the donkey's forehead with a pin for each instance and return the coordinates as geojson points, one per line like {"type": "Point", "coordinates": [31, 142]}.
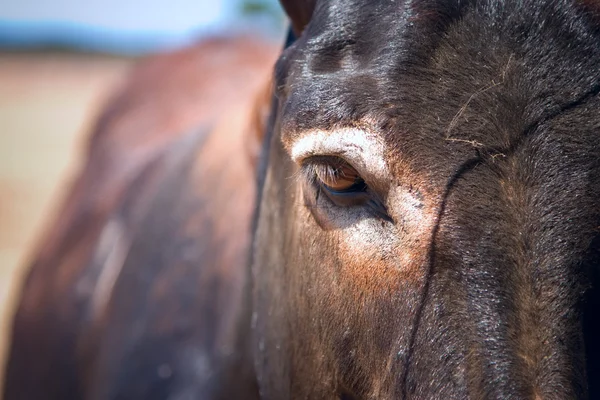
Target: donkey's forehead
{"type": "Point", "coordinates": [353, 62]}
{"type": "Point", "coordinates": [361, 70]}
{"type": "Point", "coordinates": [431, 76]}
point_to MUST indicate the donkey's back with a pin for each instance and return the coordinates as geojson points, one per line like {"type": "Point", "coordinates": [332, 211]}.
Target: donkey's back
{"type": "Point", "coordinates": [137, 289]}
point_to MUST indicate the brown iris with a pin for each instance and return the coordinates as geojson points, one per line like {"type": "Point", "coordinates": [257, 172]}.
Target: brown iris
{"type": "Point", "coordinates": [338, 176]}
{"type": "Point", "coordinates": [332, 181]}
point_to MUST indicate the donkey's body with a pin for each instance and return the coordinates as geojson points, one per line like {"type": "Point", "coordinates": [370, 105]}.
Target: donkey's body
{"type": "Point", "coordinates": [139, 289]}
{"type": "Point", "coordinates": [427, 223]}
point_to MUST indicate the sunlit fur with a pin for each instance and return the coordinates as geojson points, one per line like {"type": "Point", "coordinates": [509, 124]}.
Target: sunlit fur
{"type": "Point", "coordinates": [482, 287]}
{"type": "Point", "coordinates": [468, 270]}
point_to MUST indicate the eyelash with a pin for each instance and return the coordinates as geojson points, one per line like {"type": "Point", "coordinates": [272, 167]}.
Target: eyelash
{"type": "Point", "coordinates": [358, 194]}
{"type": "Point", "coordinates": [316, 167]}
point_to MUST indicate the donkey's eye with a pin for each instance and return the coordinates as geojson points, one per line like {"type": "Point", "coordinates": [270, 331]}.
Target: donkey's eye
{"type": "Point", "coordinates": [333, 181]}
{"type": "Point", "coordinates": [336, 176]}
{"type": "Point", "coordinates": [339, 177]}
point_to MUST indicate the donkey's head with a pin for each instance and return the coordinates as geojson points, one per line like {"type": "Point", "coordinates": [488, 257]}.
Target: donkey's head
{"type": "Point", "coordinates": [429, 213]}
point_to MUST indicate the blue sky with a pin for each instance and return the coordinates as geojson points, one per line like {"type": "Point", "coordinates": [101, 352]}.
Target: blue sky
{"type": "Point", "coordinates": [130, 26]}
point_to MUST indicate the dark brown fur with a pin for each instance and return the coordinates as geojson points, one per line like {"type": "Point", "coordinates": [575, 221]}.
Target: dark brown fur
{"type": "Point", "coordinates": [488, 114]}
{"type": "Point", "coordinates": [470, 272]}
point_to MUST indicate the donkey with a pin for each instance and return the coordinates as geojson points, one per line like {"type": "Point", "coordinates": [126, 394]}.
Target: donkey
{"type": "Point", "coordinates": [426, 226]}
{"type": "Point", "coordinates": [429, 203]}
{"type": "Point", "coordinates": [139, 288]}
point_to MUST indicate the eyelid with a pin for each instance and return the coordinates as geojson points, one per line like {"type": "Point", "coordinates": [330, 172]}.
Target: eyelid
{"type": "Point", "coordinates": [321, 171]}
{"type": "Point", "coordinates": [328, 160]}
{"type": "Point", "coordinates": [363, 150]}
{"type": "Point", "coordinates": [355, 190]}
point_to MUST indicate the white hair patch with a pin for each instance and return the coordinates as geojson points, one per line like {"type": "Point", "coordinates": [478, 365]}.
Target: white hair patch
{"type": "Point", "coordinates": [364, 150]}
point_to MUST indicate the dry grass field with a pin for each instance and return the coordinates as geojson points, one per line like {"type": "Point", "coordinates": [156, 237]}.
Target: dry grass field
{"type": "Point", "coordinates": [47, 101]}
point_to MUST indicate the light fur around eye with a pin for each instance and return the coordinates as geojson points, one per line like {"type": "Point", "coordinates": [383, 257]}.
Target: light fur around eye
{"type": "Point", "coordinates": [363, 150]}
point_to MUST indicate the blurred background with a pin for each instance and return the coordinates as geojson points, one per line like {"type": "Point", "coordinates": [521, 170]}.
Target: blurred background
{"type": "Point", "coordinates": [59, 60]}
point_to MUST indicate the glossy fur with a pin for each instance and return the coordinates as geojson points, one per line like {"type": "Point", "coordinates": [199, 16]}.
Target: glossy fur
{"type": "Point", "coordinates": [489, 115]}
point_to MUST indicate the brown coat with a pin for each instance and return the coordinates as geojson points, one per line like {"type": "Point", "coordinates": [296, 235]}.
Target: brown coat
{"type": "Point", "coordinates": [137, 289]}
